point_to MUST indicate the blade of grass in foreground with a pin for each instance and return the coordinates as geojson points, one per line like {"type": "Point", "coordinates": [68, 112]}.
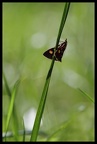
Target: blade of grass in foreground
{"type": "Point", "coordinates": [86, 95]}
{"type": "Point", "coordinates": [6, 86]}
{"type": "Point", "coordinates": [24, 133]}
{"type": "Point", "coordinates": [14, 115]}
{"type": "Point", "coordinates": [13, 94]}
{"type": "Point", "coordinates": [36, 126]}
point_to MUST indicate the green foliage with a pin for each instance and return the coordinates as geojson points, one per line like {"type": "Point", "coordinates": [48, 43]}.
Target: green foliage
{"type": "Point", "coordinates": [28, 30]}
{"type": "Point", "coordinates": [11, 111]}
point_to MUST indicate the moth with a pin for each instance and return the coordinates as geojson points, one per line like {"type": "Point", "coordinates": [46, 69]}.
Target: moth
{"type": "Point", "coordinates": [58, 53]}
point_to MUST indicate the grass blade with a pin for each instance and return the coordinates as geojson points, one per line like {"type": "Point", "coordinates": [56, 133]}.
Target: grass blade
{"type": "Point", "coordinates": [14, 115]}
{"type": "Point", "coordinates": [10, 110]}
{"type": "Point", "coordinates": [24, 133]}
{"type": "Point", "coordinates": [36, 126]}
{"type": "Point", "coordinates": [86, 95]}
{"type": "Point", "coordinates": [6, 85]}
{"type": "Point", "coordinates": [64, 16]}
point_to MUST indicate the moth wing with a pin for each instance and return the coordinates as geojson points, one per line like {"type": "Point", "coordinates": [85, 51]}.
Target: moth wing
{"type": "Point", "coordinates": [49, 53]}
{"type": "Point", "coordinates": [58, 55]}
{"type": "Point", "coordinates": [60, 51]}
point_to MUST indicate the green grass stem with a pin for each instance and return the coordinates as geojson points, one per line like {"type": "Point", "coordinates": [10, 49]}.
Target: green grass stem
{"type": "Point", "coordinates": [40, 110]}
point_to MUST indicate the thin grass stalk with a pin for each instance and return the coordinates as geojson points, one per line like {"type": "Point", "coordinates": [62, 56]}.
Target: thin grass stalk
{"type": "Point", "coordinates": [39, 113]}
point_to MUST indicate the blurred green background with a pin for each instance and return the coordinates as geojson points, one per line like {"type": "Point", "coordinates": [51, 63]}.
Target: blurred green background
{"type": "Point", "coordinates": [29, 29]}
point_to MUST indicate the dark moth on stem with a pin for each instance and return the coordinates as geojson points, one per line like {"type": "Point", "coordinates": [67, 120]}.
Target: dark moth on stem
{"type": "Point", "coordinates": [58, 53]}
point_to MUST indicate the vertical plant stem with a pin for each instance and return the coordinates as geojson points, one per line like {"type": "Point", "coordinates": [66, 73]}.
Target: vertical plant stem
{"type": "Point", "coordinates": [36, 126]}
{"type": "Point", "coordinates": [41, 105]}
